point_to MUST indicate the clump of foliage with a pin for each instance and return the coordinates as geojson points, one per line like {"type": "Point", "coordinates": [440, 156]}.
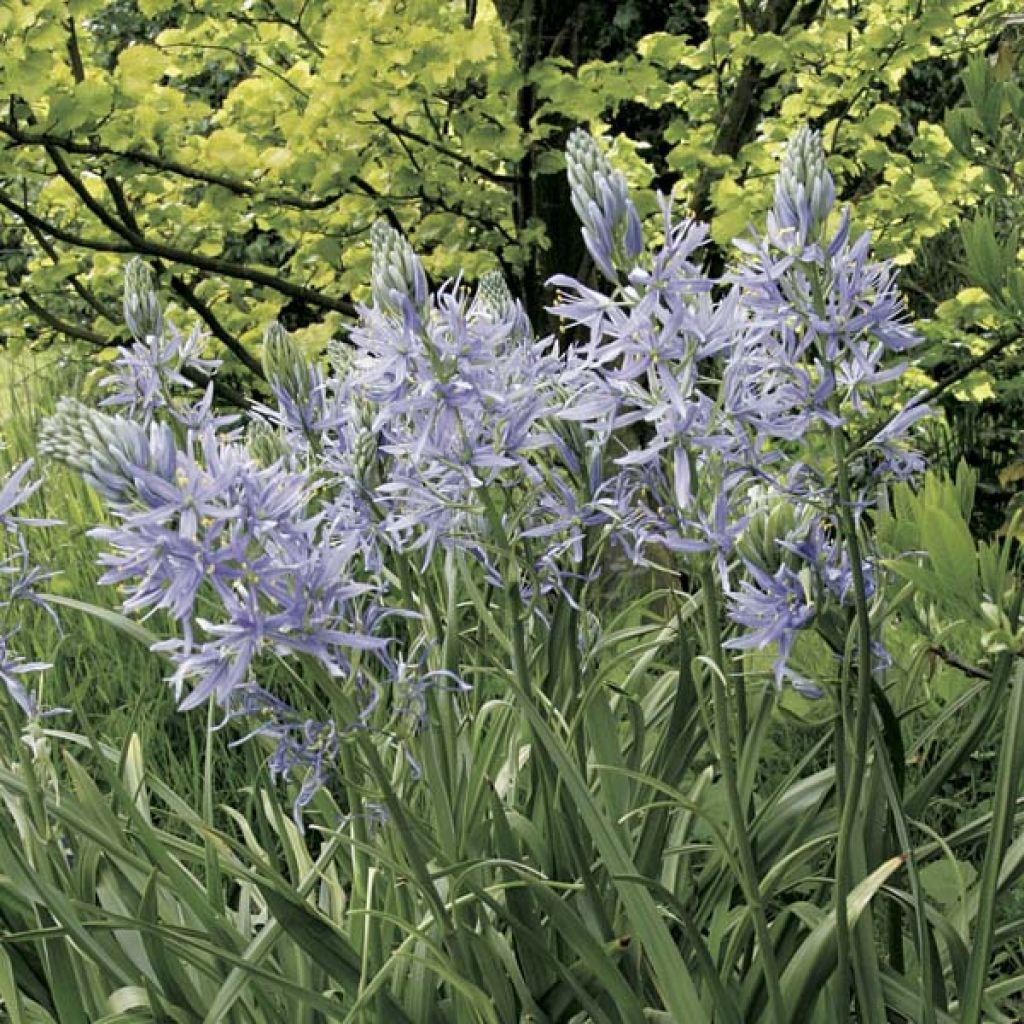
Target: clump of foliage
{"type": "Point", "coordinates": [976, 331]}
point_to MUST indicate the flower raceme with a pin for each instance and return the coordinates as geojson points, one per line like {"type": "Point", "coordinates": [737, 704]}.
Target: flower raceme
{"type": "Point", "coordinates": [679, 412]}
{"type": "Point", "coordinates": [20, 582]}
{"type": "Point", "coordinates": [600, 197]}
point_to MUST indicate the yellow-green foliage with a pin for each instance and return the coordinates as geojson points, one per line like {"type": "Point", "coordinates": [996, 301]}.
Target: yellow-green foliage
{"type": "Point", "coordinates": [246, 145]}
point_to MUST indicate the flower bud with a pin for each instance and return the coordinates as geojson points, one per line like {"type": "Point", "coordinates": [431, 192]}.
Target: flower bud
{"type": "Point", "coordinates": [397, 276]}
{"type": "Point", "coordinates": [284, 364]}
{"type": "Point", "coordinates": [493, 296]}
{"type": "Point", "coordinates": [364, 450]}
{"type": "Point", "coordinates": [494, 301]}
{"type": "Point", "coordinates": [341, 356]}
{"type": "Point", "coordinates": [265, 443]}
{"type": "Point", "coordinates": [804, 190]}
{"type": "Point", "coordinates": [142, 311]}
{"type": "Point", "coordinates": [600, 196]}
{"type": "Point", "coordinates": [109, 451]}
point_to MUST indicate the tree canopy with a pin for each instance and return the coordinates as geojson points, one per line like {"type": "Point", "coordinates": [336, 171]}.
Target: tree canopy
{"type": "Point", "coordinates": [246, 149]}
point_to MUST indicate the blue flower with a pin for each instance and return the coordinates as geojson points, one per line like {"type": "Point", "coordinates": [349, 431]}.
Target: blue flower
{"type": "Point", "coordinates": [12, 666]}
{"type": "Point", "coordinates": [772, 609]}
{"type": "Point", "coordinates": [147, 374]}
{"type": "Point", "coordinates": [303, 747]}
{"type": "Point", "coordinates": [461, 402]}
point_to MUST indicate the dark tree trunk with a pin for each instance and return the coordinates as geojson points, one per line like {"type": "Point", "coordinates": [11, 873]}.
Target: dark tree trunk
{"type": "Point", "coordinates": [579, 31]}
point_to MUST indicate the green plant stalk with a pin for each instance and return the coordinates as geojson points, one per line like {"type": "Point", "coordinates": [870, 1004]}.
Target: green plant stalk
{"type": "Point", "coordinates": [213, 874]}
{"type": "Point", "coordinates": [438, 763]}
{"type": "Point", "coordinates": [748, 867]}
{"type": "Point", "coordinates": [862, 715]}
{"type": "Point", "coordinates": [360, 862]}
{"type": "Point", "coordinates": [1011, 761]}
{"type": "Point", "coordinates": [26, 762]}
{"type": "Point", "coordinates": [905, 849]}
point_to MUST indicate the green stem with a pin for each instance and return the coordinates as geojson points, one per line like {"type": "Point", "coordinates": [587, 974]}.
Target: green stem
{"type": "Point", "coordinates": [862, 715]}
{"type": "Point", "coordinates": [357, 822]}
{"type": "Point", "coordinates": [748, 868]}
{"type": "Point", "coordinates": [417, 856]}
{"type": "Point", "coordinates": [214, 888]}
{"type": "Point", "coordinates": [1011, 761]}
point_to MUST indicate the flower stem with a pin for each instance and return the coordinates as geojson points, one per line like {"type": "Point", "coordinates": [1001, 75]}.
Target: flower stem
{"type": "Point", "coordinates": [862, 715]}
{"type": "Point", "coordinates": [748, 868]}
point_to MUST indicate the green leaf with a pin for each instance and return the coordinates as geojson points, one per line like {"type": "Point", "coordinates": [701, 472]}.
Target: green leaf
{"type": "Point", "coordinates": [323, 943]}
{"type": "Point", "coordinates": [116, 619]}
{"type": "Point", "coordinates": [175, 981]}
{"type": "Point", "coordinates": [814, 961]}
{"type": "Point", "coordinates": [1010, 766]}
{"type": "Point", "coordinates": [671, 973]}
{"type": "Point", "coordinates": [952, 557]}
{"type": "Point", "coordinates": [9, 990]}
{"type": "Point", "coordinates": [946, 881]}
{"type": "Point", "coordinates": [986, 261]}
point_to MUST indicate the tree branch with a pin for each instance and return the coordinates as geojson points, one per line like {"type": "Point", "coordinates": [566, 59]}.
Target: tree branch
{"type": "Point", "coordinates": [181, 288]}
{"type": "Point", "coordinates": [741, 113]}
{"type": "Point", "coordinates": [30, 219]}
{"type": "Point", "coordinates": [62, 326]}
{"type": "Point", "coordinates": [407, 133]}
{"type": "Point", "coordinates": [948, 381]}
{"type": "Point", "coordinates": [185, 291]}
{"type": "Point", "coordinates": [160, 163]}
{"type": "Point", "coordinates": [81, 290]}
{"type": "Point", "coordinates": [139, 243]}
{"type": "Point", "coordinates": [200, 379]}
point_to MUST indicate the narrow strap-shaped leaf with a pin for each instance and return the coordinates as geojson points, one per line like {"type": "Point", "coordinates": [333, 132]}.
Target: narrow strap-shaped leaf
{"type": "Point", "coordinates": [672, 975]}
{"type": "Point", "coordinates": [1011, 761]}
{"type": "Point", "coordinates": [175, 982]}
{"type": "Point", "coordinates": [811, 965]}
{"type": "Point", "coordinates": [119, 622]}
{"type": "Point", "coordinates": [324, 944]}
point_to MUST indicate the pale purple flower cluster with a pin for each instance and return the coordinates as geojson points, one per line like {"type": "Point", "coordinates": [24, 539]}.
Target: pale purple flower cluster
{"type": "Point", "coordinates": [240, 554]}
{"type": "Point", "coordinates": [303, 747]}
{"type": "Point", "coordinates": [689, 407]}
{"type": "Point", "coordinates": [457, 397]}
{"type": "Point", "coordinates": [146, 376]}
{"type": "Point", "coordinates": [772, 608]}
{"type": "Point", "coordinates": [20, 580]}
{"type": "Point", "coordinates": [705, 393]}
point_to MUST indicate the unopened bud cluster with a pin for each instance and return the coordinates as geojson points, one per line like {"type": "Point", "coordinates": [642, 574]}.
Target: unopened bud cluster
{"type": "Point", "coordinates": [600, 196]}
{"type": "Point", "coordinates": [365, 449]}
{"type": "Point", "coordinates": [285, 365]}
{"type": "Point", "coordinates": [804, 190]}
{"type": "Point", "coordinates": [104, 448]}
{"type": "Point", "coordinates": [397, 276]}
{"type": "Point", "coordinates": [142, 311]}
{"type": "Point", "coordinates": [265, 443]}
{"type": "Point", "coordinates": [340, 355]}
{"type": "Point", "coordinates": [494, 301]}
{"type": "Point", "coordinates": [493, 296]}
